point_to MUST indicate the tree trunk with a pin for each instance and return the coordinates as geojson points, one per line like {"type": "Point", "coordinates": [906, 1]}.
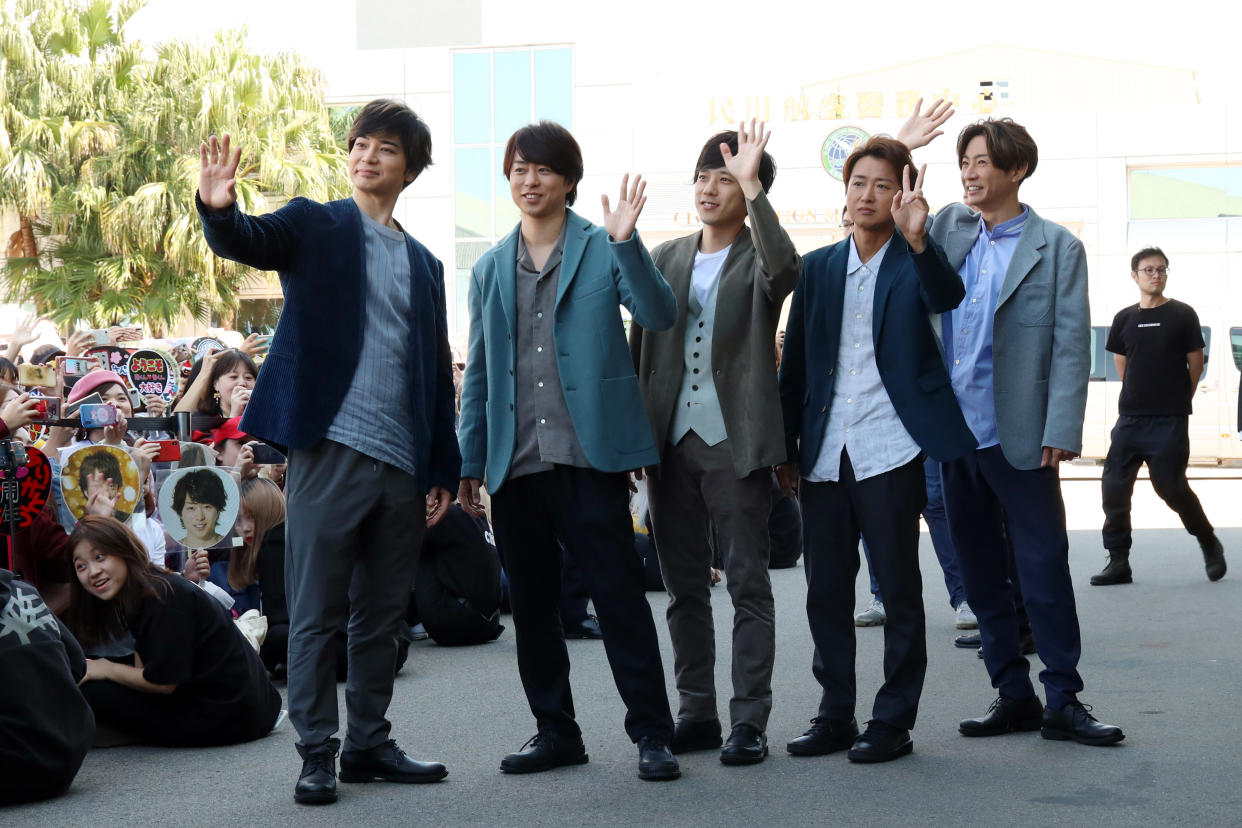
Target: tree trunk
{"type": "Point", "coordinates": [30, 247]}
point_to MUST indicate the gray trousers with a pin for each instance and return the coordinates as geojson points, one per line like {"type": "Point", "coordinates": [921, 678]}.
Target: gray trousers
{"type": "Point", "coordinates": [695, 489]}
{"type": "Point", "coordinates": [352, 535]}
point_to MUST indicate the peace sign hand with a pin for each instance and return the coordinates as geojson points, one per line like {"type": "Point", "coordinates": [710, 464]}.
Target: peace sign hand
{"type": "Point", "coordinates": [910, 210]}
{"type": "Point", "coordinates": [744, 167]}
{"type": "Point", "coordinates": [620, 223]}
{"type": "Point", "coordinates": [217, 174]}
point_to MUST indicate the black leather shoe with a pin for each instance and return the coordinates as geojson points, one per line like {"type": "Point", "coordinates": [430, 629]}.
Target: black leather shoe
{"type": "Point", "coordinates": [1005, 716]}
{"type": "Point", "coordinates": [747, 745]}
{"type": "Point", "coordinates": [1026, 645]}
{"type": "Point", "coordinates": [1116, 571]}
{"type": "Point", "coordinates": [690, 735]}
{"type": "Point", "coordinates": [1213, 558]}
{"type": "Point", "coordinates": [317, 784]}
{"type": "Point", "coordinates": [825, 736]}
{"type": "Point", "coordinates": [388, 763]}
{"type": "Point", "coordinates": [969, 641]}
{"type": "Point", "coordinates": [1074, 721]}
{"type": "Point", "coordinates": [586, 628]}
{"type": "Point", "coordinates": [655, 761]}
{"type": "Point", "coordinates": [881, 742]}
{"type": "Point", "coordinates": [545, 751]}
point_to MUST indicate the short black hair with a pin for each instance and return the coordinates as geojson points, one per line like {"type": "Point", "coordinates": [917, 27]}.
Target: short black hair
{"type": "Point", "coordinates": [204, 485]}
{"type": "Point", "coordinates": [710, 158]}
{"type": "Point", "coordinates": [383, 116]}
{"type": "Point", "coordinates": [550, 144]}
{"type": "Point", "coordinates": [1010, 146]}
{"type": "Point", "coordinates": [99, 461]}
{"type": "Point", "coordinates": [1146, 253]}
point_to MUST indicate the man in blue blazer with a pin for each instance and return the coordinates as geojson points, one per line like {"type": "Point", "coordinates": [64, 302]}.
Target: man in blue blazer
{"type": "Point", "coordinates": [865, 393]}
{"type": "Point", "coordinates": [358, 386]}
{"type": "Point", "coordinates": [1018, 351]}
{"type": "Point", "coordinates": [551, 421]}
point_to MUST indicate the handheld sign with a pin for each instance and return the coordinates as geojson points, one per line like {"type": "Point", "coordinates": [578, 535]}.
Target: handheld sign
{"type": "Point", "coordinates": [199, 506]}
{"type": "Point", "coordinates": [27, 493]}
{"type": "Point", "coordinates": [203, 344]}
{"type": "Point", "coordinates": [115, 359]}
{"type": "Point", "coordinates": [153, 372]}
{"type": "Point", "coordinates": [92, 468]}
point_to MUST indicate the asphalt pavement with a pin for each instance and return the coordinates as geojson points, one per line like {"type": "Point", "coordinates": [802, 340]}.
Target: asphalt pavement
{"type": "Point", "coordinates": [1161, 659]}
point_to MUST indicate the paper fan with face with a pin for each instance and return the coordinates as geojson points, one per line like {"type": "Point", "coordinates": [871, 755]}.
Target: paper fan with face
{"type": "Point", "coordinates": [93, 468]}
{"type": "Point", "coordinates": [199, 506]}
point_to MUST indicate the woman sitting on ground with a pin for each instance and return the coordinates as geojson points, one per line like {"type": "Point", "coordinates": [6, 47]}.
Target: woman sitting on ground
{"type": "Point", "coordinates": [194, 678]}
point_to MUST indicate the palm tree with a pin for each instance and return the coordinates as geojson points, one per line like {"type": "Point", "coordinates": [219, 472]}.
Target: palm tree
{"type": "Point", "coordinates": [119, 231]}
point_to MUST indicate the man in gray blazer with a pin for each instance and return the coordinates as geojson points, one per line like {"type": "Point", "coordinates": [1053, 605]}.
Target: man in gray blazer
{"type": "Point", "coordinates": [710, 388]}
{"type": "Point", "coordinates": [1018, 352]}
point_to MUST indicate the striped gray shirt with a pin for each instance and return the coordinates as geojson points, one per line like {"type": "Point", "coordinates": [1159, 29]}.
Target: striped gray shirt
{"type": "Point", "coordinates": [375, 417]}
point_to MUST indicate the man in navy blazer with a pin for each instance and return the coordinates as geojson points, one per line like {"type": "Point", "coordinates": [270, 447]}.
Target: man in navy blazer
{"type": "Point", "coordinates": [551, 420]}
{"type": "Point", "coordinates": [358, 386]}
{"type": "Point", "coordinates": [1018, 351]}
{"type": "Point", "coordinates": [865, 393]}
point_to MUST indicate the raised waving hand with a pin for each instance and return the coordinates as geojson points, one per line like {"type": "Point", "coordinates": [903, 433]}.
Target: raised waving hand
{"type": "Point", "coordinates": [744, 167]}
{"type": "Point", "coordinates": [620, 222]}
{"type": "Point", "coordinates": [923, 126]}
{"type": "Point", "coordinates": [217, 174]}
{"type": "Point", "coordinates": [910, 209]}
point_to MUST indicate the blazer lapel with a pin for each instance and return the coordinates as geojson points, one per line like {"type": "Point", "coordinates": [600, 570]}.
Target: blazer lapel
{"type": "Point", "coordinates": [571, 257]}
{"type": "Point", "coordinates": [894, 258]}
{"type": "Point", "coordinates": [506, 277]}
{"type": "Point", "coordinates": [1025, 256]}
{"type": "Point", "coordinates": [678, 272]}
{"type": "Point", "coordinates": [961, 239]}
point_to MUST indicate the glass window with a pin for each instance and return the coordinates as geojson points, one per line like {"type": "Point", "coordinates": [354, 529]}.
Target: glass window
{"type": "Point", "coordinates": [1186, 192]}
{"type": "Point", "coordinates": [512, 86]}
{"type": "Point", "coordinates": [1235, 340]}
{"type": "Point", "coordinates": [472, 97]}
{"type": "Point", "coordinates": [1099, 356]}
{"type": "Point", "coordinates": [472, 202]}
{"type": "Point", "coordinates": [554, 93]}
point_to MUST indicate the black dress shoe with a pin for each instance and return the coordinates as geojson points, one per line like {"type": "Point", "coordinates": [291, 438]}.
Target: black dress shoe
{"type": "Point", "coordinates": [388, 763]}
{"type": "Point", "coordinates": [1005, 716]}
{"type": "Point", "coordinates": [969, 641]}
{"type": "Point", "coordinates": [825, 736]}
{"type": "Point", "coordinates": [1074, 721]}
{"type": "Point", "coordinates": [747, 745]}
{"type": "Point", "coordinates": [586, 628]}
{"type": "Point", "coordinates": [1116, 571]}
{"type": "Point", "coordinates": [1213, 557]}
{"type": "Point", "coordinates": [545, 751]}
{"type": "Point", "coordinates": [691, 735]}
{"type": "Point", "coordinates": [881, 742]}
{"type": "Point", "coordinates": [317, 784]}
{"type": "Point", "coordinates": [655, 761]}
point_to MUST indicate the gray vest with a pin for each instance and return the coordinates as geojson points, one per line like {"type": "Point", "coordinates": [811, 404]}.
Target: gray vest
{"type": "Point", "coordinates": [698, 407]}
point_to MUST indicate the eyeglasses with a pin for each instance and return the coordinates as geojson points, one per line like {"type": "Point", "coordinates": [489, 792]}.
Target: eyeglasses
{"type": "Point", "coordinates": [1153, 271]}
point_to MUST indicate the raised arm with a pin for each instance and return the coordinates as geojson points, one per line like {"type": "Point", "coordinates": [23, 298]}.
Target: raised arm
{"type": "Point", "coordinates": [268, 242]}
{"type": "Point", "coordinates": [641, 286]}
{"type": "Point", "coordinates": [923, 125]}
{"type": "Point", "coordinates": [779, 262]}
{"type": "Point", "coordinates": [939, 284]}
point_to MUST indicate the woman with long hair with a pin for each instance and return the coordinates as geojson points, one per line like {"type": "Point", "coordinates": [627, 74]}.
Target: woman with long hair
{"type": "Point", "coordinates": [194, 679]}
{"type": "Point", "coordinates": [241, 574]}
{"type": "Point", "coordinates": [219, 384]}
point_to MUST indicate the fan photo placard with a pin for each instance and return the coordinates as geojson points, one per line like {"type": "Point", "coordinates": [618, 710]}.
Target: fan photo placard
{"type": "Point", "coordinates": [153, 372]}
{"type": "Point", "coordinates": [199, 506]}
{"type": "Point", "coordinates": [92, 468]}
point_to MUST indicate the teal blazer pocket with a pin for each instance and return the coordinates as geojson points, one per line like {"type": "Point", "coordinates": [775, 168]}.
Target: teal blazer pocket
{"type": "Point", "coordinates": [1034, 303]}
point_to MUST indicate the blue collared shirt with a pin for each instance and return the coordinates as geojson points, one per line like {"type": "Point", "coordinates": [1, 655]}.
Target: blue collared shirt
{"type": "Point", "coordinates": [967, 330]}
{"type": "Point", "coordinates": [861, 419]}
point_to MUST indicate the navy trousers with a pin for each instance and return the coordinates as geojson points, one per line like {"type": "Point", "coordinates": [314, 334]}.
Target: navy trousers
{"type": "Point", "coordinates": [977, 488]}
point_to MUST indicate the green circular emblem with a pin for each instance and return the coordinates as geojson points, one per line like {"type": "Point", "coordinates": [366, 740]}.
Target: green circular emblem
{"type": "Point", "coordinates": [838, 146]}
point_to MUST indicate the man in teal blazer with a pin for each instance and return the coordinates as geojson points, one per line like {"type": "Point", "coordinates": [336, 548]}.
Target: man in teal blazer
{"type": "Point", "coordinates": [551, 421]}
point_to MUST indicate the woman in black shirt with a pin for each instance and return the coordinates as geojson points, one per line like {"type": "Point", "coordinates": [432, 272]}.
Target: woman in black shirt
{"type": "Point", "coordinates": [195, 680]}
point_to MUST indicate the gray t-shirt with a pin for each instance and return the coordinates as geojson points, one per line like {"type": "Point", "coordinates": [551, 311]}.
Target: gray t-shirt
{"type": "Point", "coordinates": [375, 417]}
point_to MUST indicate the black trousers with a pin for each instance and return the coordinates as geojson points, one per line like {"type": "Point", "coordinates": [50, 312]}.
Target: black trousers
{"type": "Point", "coordinates": [978, 489]}
{"type": "Point", "coordinates": [1163, 443]}
{"type": "Point", "coordinates": [885, 509]}
{"type": "Point", "coordinates": [588, 512]}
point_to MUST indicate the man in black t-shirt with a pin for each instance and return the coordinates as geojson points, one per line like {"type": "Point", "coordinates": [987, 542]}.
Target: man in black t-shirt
{"type": "Point", "coordinates": [1158, 348]}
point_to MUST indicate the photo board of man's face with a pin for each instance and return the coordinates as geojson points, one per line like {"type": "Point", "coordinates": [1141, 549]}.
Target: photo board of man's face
{"type": "Point", "coordinates": [199, 506]}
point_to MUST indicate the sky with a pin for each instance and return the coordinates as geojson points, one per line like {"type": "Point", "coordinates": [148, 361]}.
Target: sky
{"type": "Point", "coordinates": [734, 45]}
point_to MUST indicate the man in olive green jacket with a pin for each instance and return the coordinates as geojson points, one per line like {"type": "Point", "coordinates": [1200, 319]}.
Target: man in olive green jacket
{"type": "Point", "coordinates": [710, 389]}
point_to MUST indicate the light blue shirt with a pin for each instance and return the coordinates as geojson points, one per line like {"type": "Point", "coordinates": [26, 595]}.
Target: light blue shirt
{"type": "Point", "coordinates": [861, 419]}
{"type": "Point", "coordinates": [967, 330]}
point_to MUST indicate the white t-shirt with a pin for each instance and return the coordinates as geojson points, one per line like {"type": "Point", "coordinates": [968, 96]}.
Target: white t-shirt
{"type": "Point", "coordinates": [707, 267]}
